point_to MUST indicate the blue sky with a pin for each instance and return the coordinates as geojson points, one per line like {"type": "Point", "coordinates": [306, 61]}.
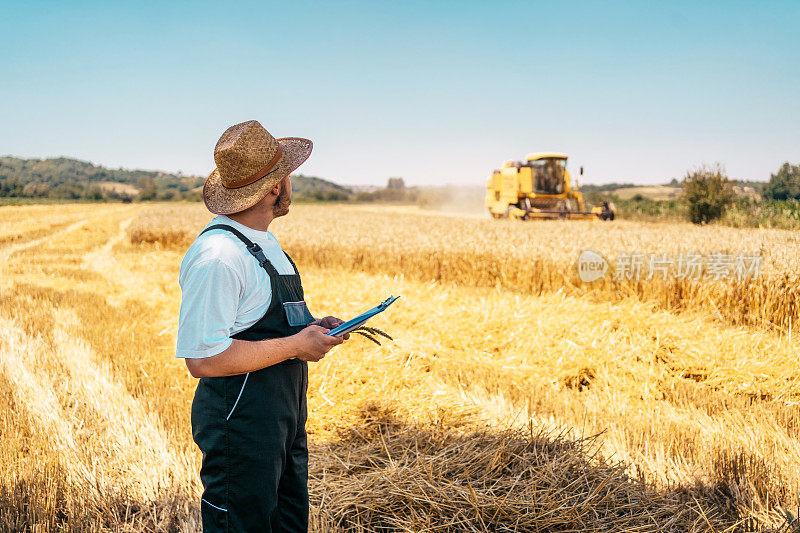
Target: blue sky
{"type": "Point", "coordinates": [434, 92]}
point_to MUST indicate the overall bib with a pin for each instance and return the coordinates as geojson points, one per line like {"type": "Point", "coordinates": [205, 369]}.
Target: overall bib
{"type": "Point", "coordinates": [251, 427]}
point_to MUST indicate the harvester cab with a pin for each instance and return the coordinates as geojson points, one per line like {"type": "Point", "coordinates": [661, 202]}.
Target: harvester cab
{"type": "Point", "coordinates": [539, 187]}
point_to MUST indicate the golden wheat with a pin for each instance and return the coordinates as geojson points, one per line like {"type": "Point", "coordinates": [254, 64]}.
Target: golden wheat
{"type": "Point", "coordinates": [532, 258]}
{"type": "Point", "coordinates": [475, 417]}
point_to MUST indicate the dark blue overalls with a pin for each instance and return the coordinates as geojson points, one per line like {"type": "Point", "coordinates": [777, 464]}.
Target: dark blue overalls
{"type": "Point", "coordinates": [251, 427]}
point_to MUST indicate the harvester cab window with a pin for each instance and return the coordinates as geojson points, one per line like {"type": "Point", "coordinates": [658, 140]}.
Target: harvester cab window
{"type": "Point", "coordinates": [549, 175]}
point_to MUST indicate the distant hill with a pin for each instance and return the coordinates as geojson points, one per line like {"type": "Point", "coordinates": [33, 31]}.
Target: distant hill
{"type": "Point", "coordinates": [667, 192]}
{"type": "Point", "coordinates": [606, 187]}
{"type": "Point", "coordinates": [650, 192]}
{"type": "Point", "coordinates": [310, 188]}
{"type": "Point", "coordinates": [66, 178]}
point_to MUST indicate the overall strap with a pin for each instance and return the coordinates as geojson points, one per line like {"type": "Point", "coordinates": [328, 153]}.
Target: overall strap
{"type": "Point", "coordinates": [292, 262]}
{"type": "Point", "coordinates": [254, 249]}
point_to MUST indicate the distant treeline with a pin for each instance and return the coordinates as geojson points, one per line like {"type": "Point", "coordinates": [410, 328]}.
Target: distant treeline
{"type": "Point", "coordinates": [605, 187]}
{"type": "Point", "coordinates": [63, 178]}
{"type": "Point", "coordinates": [758, 186]}
{"type": "Point", "coordinates": [313, 189]}
{"type": "Point", "coordinates": [71, 179]}
{"type": "Point", "coordinates": [708, 195]}
{"type": "Point", "coordinates": [775, 203]}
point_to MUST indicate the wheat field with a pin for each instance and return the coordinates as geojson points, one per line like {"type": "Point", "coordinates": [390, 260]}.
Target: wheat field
{"type": "Point", "coordinates": [514, 397]}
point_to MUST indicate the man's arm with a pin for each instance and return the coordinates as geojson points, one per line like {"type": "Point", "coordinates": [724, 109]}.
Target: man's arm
{"type": "Point", "coordinates": [311, 344]}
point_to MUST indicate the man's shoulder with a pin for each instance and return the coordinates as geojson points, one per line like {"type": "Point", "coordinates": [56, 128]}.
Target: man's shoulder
{"type": "Point", "coordinates": [214, 247]}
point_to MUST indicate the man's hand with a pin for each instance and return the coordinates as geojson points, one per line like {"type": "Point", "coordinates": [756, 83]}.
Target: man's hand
{"type": "Point", "coordinates": [330, 322]}
{"type": "Point", "coordinates": [312, 343]}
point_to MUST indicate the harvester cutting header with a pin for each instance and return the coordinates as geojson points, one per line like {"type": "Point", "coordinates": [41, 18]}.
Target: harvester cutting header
{"type": "Point", "coordinates": [539, 188]}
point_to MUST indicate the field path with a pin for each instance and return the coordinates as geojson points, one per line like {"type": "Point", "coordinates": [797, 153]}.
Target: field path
{"type": "Point", "coordinates": [131, 278]}
{"type": "Point", "coordinates": [105, 436]}
{"type": "Point", "coordinates": [103, 262]}
{"type": "Point", "coordinates": [6, 252]}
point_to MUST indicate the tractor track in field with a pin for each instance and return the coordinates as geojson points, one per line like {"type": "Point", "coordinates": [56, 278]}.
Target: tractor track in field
{"type": "Point", "coordinates": [65, 390]}
{"type": "Point", "coordinates": [8, 251]}
{"type": "Point", "coordinates": [87, 413]}
{"type": "Point", "coordinates": [102, 261]}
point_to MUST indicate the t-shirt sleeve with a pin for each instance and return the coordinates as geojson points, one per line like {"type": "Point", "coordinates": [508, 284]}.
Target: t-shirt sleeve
{"type": "Point", "coordinates": [209, 298]}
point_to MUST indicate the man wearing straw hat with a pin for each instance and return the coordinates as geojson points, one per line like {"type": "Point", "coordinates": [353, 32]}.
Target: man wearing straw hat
{"type": "Point", "coordinates": [245, 331]}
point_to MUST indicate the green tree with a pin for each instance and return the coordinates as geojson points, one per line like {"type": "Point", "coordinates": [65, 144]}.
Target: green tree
{"type": "Point", "coordinates": [147, 189]}
{"type": "Point", "coordinates": [708, 192]}
{"type": "Point", "coordinates": [94, 193]}
{"type": "Point", "coordinates": [396, 184]}
{"type": "Point", "coordinates": [785, 185]}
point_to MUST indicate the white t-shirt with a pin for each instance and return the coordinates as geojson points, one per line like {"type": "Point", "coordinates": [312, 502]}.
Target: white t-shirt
{"type": "Point", "coordinates": [224, 289]}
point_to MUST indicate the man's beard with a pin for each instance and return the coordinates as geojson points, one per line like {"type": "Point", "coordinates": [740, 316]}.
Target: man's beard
{"type": "Point", "coordinates": [282, 202]}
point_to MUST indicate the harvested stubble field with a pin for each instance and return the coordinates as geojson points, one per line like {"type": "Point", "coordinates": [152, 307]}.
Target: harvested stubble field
{"type": "Point", "coordinates": [513, 399]}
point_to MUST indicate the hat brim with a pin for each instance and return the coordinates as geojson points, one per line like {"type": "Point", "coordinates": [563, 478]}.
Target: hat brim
{"type": "Point", "coordinates": [223, 201]}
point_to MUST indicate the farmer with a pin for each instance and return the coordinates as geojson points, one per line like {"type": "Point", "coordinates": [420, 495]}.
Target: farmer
{"type": "Point", "coordinates": [245, 330]}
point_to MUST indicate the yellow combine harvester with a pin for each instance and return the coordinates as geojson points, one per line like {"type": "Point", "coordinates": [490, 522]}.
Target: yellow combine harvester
{"type": "Point", "coordinates": [539, 188]}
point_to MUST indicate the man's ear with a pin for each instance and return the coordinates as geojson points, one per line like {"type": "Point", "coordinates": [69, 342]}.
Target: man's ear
{"type": "Point", "coordinates": [276, 190]}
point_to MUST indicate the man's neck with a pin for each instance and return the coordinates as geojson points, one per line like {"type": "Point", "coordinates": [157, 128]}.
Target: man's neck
{"type": "Point", "coordinates": [257, 219]}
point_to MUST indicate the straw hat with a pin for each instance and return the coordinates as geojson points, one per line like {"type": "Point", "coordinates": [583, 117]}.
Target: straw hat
{"type": "Point", "coordinates": [250, 162]}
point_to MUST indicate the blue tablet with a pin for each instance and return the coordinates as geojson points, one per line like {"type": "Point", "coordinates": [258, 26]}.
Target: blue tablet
{"type": "Point", "coordinates": [353, 323]}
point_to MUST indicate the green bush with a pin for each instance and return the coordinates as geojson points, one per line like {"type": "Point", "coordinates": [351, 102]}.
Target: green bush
{"type": "Point", "coordinates": [754, 213]}
{"type": "Point", "coordinates": [785, 185]}
{"type": "Point", "coordinates": [707, 192]}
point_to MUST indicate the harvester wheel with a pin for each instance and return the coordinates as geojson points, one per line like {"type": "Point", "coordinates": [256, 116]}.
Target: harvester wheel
{"type": "Point", "coordinates": [609, 211]}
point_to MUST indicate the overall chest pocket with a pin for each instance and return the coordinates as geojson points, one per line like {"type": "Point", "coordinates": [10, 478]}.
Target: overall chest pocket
{"type": "Point", "coordinates": [297, 313]}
